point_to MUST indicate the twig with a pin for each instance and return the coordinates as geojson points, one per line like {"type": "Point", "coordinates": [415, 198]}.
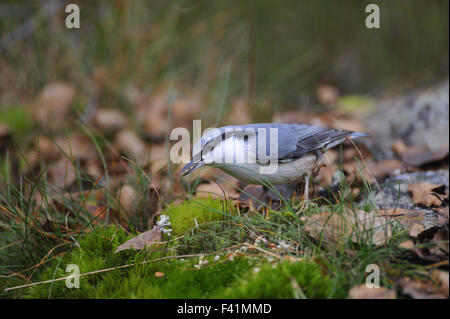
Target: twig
{"type": "Point", "coordinates": [101, 271]}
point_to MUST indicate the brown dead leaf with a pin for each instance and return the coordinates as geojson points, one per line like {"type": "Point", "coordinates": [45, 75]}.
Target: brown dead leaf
{"type": "Point", "coordinates": [384, 168]}
{"type": "Point", "coordinates": [54, 104]}
{"type": "Point", "coordinates": [416, 229]}
{"type": "Point", "coordinates": [436, 241]}
{"type": "Point", "coordinates": [216, 191]}
{"type": "Point", "coordinates": [109, 120]}
{"type": "Point", "coordinates": [442, 215]}
{"type": "Point", "coordinates": [327, 168]}
{"type": "Point", "coordinates": [156, 115]}
{"type": "Point", "coordinates": [143, 240]}
{"type": "Point", "coordinates": [421, 155]}
{"type": "Point", "coordinates": [48, 150]}
{"type": "Point", "coordinates": [357, 226]}
{"type": "Point", "coordinates": [127, 198]}
{"type": "Point", "coordinates": [373, 171]}
{"type": "Point", "coordinates": [364, 292]}
{"type": "Point", "coordinates": [131, 144]}
{"type": "Point", "coordinates": [185, 109]}
{"type": "Point", "coordinates": [349, 124]}
{"type": "Point", "coordinates": [399, 148]}
{"type": "Point", "coordinates": [409, 244]}
{"type": "Point", "coordinates": [77, 146]}
{"type": "Point", "coordinates": [420, 289]}
{"type": "Point", "coordinates": [327, 94]}
{"type": "Point", "coordinates": [158, 158]}
{"type": "Point", "coordinates": [97, 212]}
{"type": "Point", "coordinates": [61, 173]}
{"type": "Point", "coordinates": [442, 280]}
{"type": "Point", "coordinates": [423, 194]}
{"type": "Point", "coordinates": [411, 220]}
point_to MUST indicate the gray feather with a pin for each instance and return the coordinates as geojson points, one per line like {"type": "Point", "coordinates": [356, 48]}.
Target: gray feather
{"type": "Point", "coordinates": [294, 140]}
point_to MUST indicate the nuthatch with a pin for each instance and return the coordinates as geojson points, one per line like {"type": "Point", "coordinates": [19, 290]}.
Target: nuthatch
{"type": "Point", "coordinates": [266, 152]}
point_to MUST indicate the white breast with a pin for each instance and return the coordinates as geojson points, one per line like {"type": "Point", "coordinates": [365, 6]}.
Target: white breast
{"type": "Point", "coordinates": [251, 173]}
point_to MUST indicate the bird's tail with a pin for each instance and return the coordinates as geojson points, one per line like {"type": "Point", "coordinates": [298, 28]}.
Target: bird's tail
{"type": "Point", "coordinates": [338, 137]}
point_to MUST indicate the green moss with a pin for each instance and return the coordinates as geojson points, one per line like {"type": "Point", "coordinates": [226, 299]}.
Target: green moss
{"type": "Point", "coordinates": [203, 210]}
{"type": "Point", "coordinates": [285, 280]}
{"type": "Point", "coordinates": [212, 237]}
{"type": "Point", "coordinates": [217, 279]}
{"type": "Point", "coordinates": [17, 118]}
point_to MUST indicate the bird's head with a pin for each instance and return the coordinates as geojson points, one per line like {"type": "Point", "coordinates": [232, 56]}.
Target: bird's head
{"type": "Point", "coordinates": [207, 151]}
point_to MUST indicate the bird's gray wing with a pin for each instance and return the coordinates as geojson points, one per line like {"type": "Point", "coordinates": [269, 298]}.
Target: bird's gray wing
{"type": "Point", "coordinates": [294, 140]}
{"type": "Point", "coordinates": [311, 138]}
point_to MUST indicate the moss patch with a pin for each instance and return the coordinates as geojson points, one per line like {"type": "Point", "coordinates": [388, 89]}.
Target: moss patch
{"type": "Point", "coordinates": [182, 278]}
{"type": "Point", "coordinates": [203, 210]}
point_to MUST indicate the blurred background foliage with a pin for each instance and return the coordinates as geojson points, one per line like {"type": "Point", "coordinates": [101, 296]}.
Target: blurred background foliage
{"type": "Point", "coordinates": [274, 54]}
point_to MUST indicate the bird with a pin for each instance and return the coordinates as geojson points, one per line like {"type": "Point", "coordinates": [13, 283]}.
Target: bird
{"type": "Point", "coordinates": [266, 153]}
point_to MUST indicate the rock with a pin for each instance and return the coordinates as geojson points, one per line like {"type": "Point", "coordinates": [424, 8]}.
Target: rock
{"type": "Point", "coordinates": [394, 192]}
{"type": "Point", "coordinates": [418, 119]}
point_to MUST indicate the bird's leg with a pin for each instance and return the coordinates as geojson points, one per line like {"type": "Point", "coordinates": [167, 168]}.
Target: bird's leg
{"type": "Point", "coordinates": [306, 194]}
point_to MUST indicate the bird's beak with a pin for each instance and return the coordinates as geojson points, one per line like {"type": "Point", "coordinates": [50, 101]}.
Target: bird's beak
{"type": "Point", "coordinates": [190, 167]}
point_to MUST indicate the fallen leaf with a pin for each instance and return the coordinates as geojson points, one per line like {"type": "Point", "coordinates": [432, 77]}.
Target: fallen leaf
{"type": "Point", "coordinates": [327, 94]}
{"type": "Point", "coordinates": [143, 240]}
{"type": "Point", "coordinates": [399, 148]}
{"type": "Point", "coordinates": [416, 229]}
{"type": "Point", "coordinates": [47, 149]}
{"type": "Point", "coordinates": [373, 172]}
{"type": "Point", "coordinates": [109, 120]}
{"type": "Point", "coordinates": [158, 158]}
{"type": "Point", "coordinates": [214, 190]}
{"type": "Point", "coordinates": [77, 147]}
{"type": "Point", "coordinates": [61, 173]}
{"type": "Point", "coordinates": [422, 155]}
{"type": "Point", "coordinates": [359, 226]}
{"type": "Point", "coordinates": [409, 244]}
{"type": "Point", "coordinates": [97, 212]}
{"type": "Point", "coordinates": [419, 289]}
{"type": "Point", "coordinates": [411, 220]}
{"type": "Point", "coordinates": [348, 124]}
{"type": "Point", "coordinates": [327, 168]}
{"type": "Point", "coordinates": [131, 144]}
{"type": "Point", "coordinates": [127, 198]}
{"type": "Point", "coordinates": [423, 194]}
{"type": "Point", "coordinates": [156, 116]}
{"type": "Point", "coordinates": [442, 215]}
{"type": "Point", "coordinates": [53, 104]}
{"type": "Point", "coordinates": [432, 244]}
{"type": "Point", "coordinates": [442, 279]}
{"type": "Point", "coordinates": [364, 292]}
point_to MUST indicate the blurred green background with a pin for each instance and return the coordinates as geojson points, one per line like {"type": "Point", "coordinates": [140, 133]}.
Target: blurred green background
{"type": "Point", "coordinates": [275, 54]}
